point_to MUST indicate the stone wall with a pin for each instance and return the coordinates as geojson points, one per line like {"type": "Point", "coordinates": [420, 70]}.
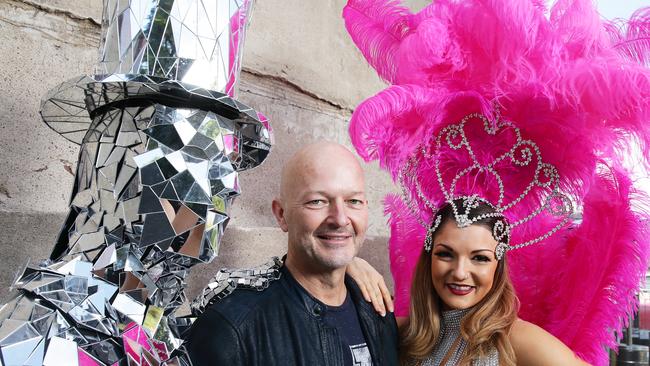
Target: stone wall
{"type": "Point", "coordinates": [300, 69]}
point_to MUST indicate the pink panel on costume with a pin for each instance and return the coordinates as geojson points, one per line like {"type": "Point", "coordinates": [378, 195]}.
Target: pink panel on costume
{"type": "Point", "coordinates": [135, 339]}
{"type": "Point", "coordinates": [264, 120]}
{"type": "Point", "coordinates": [237, 25]}
{"type": "Point", "coordinates": [85, 359]}
{"type": "Point", "coordinates": [161, 348]}
{"type": "Point", "coordinates": [228, 144]}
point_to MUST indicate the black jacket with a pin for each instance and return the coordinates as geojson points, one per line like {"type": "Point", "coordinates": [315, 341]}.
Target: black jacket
{"type": "Point", "coordinates": [282, 326]}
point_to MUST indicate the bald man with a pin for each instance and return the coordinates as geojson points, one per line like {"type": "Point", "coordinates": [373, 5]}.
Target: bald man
{"type": "Point", "coordinates": [313, 314]}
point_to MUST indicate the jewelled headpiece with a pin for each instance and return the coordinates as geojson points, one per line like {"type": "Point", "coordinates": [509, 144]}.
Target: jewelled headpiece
{"type": "Point", "coordinates": [514, 161]}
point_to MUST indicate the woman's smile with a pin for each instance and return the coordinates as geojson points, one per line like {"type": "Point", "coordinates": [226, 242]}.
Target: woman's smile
{"type": "Point", "coordinates": [460, 290]}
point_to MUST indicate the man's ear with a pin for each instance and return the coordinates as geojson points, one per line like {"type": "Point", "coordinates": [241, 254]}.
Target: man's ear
{"type": "Point", "coordinates": [278, 212]}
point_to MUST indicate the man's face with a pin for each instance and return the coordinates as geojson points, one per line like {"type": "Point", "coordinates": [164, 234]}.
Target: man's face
{"type": "Point", "coordinates": [325, 213]}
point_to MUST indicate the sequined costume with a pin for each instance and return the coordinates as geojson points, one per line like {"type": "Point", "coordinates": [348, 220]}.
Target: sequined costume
{"type": "Point", "coordinates": [451, 346]}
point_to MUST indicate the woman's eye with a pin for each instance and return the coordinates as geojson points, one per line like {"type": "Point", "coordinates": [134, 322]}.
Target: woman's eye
{"type": "Point", "coordinates": [482, 258]}
{"type": "Point", "coordinates": [443, 254]}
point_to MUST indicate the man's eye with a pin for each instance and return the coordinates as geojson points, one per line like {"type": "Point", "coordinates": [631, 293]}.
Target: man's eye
{"type": "Point", "coordinates": [356, 202]}
{"type": "Point", "coordinates": [316, 203]}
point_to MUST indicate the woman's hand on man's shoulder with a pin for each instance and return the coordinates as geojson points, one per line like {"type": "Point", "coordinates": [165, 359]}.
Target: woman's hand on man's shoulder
{"type": "Point", "coordinates": [372, 285]}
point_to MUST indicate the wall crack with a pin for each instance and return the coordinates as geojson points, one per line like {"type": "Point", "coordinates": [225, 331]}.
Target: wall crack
{"type": "Point", "coordinates": [289, 102]}
{"type": "Point", "coordinates": [297, 88]}
{"type": "Point", "coordinates": [67, 165]}
{"type": "Point", "coordinates": [56, 24]}
{"type": "Point", "coordinates": [4, 191]}
{"type": "Point", "coordinates": [55, 11]}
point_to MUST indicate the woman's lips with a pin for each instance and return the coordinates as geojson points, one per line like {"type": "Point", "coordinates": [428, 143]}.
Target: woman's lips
{"type": "Point", "coordinates": [460, 290]}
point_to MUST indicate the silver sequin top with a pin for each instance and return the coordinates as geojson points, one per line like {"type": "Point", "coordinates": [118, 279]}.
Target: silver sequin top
{"type": "Point", "coordinates": [449, 332]}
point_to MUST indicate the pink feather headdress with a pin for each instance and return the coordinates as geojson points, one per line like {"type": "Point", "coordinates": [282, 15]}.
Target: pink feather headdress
{"type": "Point", "coordinates": [576, 86]}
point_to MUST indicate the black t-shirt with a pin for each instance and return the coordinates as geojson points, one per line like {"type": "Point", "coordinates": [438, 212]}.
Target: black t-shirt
{"type": "Point", "coordinates": [345, 319]}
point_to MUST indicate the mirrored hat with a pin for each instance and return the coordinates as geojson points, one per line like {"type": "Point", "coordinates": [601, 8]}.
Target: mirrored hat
{"type": "Point", "coordinates": [179, 53]}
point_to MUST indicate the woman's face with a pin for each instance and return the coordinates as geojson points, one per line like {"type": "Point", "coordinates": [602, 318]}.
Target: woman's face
{"type": "Point", "coordinates": [462, 264]}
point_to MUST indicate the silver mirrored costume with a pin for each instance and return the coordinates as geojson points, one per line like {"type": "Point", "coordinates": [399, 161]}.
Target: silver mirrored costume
{"type": "Point", "coordinates": [162, 141]}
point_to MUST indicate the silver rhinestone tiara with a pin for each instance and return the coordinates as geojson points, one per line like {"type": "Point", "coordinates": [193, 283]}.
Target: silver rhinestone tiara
{"type": "Point", "coordinates": [542, 191]}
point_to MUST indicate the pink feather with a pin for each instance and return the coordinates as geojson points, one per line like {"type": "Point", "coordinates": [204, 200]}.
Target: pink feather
{"type": "Point", "coordinates": [404, 247]}
{"type": "Point", "coordinates": [377, 27]}
{"type": "Point", "coordinates": [632, 38]}
{"type": "Point", "coordinates": [606, 267]}
{"type": "Point", "coordinates": [578, 87]}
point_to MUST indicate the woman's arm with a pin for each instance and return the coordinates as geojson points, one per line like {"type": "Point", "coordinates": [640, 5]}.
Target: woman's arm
{"type": "Point", "coordinates": [534, 346]}
{"type": "Point", "coordinates": [372, 285]}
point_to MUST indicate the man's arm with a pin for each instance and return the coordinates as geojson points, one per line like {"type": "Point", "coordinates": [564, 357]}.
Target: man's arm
{"type": "Point", "coordinates": [215, 341]}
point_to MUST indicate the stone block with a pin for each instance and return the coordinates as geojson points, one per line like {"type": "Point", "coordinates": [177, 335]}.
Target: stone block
{"type": "Point", "coordinates": [305, 43]}
{"type": "Point", "coordinates": [24, 238]}
{"type": "Point", "coordinates": [41, 50]}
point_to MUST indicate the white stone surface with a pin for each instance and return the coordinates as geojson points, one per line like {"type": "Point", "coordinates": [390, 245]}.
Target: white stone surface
{"type": "Point", "coordinates": [39, 51]}
{"type": "Point", "coordinates": [305, 42]}
{"type": "Point", "coordinates": [89, 9]}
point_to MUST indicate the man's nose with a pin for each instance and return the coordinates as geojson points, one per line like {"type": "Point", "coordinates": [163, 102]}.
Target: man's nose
{"type": "Point", "coordinates": [338, 214]}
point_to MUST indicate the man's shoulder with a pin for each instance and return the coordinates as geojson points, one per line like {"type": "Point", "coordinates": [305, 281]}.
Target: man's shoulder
{"type": "Point", "coordinates": [365, 307]}
{"type": "Point", "coordinates": [242, 303]}
{"type": "Point", "coordinates": [232, 280]}
{"type": "Point", "coordinates": [219, 334]}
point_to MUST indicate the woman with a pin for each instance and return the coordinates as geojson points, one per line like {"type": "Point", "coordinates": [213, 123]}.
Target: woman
{"type": "Point", "coordinates": [463, 306]}
{"type": "Point", "coordinates": [526, 110]}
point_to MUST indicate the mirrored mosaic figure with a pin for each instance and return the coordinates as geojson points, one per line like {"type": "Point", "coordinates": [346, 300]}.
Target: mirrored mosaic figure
{"type": "Point", "coordinates": [162, 141]}
{"type": "Point", "coordinates": [228, 280]}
